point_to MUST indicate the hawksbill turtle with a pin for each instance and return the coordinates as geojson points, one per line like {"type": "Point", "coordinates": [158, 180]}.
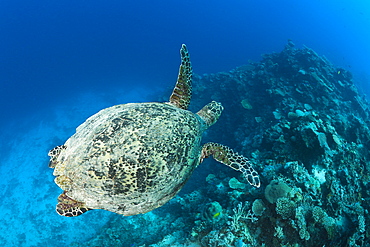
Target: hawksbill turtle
{"type": "Point", "coordinates": [133, 158]}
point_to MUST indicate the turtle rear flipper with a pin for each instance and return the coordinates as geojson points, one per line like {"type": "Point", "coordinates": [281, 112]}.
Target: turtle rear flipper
{"type": "Point", "coordinates": [227, 156]}
{"type": "Point", "coordinates": [54, 153]}
{"type": "Point", "coordinates": [70, 208]}
{"type": "Point", "coordinates": [181, 94]}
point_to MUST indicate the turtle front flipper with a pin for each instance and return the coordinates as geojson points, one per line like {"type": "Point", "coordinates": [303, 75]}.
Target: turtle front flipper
{"type": "Point", "coordinates": [227, 156]}
{"type": "Point", "coordinates": [70, 208]}
{"type": "Point", "coordinates": [181, 94]}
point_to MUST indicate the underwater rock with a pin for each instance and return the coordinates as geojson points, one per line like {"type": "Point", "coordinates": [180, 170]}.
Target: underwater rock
{"type": "Point", "coordinates": [246, 105]}
{"type": "Point", "coordinates": [235, 184]}
{"type": "Point", "coordinates": [277, 114]}
{"type": "Point", "coordinates": [275, 190]}
{"type": "Point", "coordinates": [258, 207]}
{"type": "Point", "coordinates": [212, 212]}
{"type": "Point", "coordinates": [308, 127]}
{"type": "Point", "coordinates": [285, 207]}
{"type": "Point", "coordinates": [316, 139]}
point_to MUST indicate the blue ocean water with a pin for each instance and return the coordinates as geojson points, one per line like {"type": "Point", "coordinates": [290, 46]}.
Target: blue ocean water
{"type": "Point", "coordinates": [62, 61]}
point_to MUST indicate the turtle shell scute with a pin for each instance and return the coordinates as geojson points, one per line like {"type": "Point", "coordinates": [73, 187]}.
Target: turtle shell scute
{"type": "Point", "coordinates": [131, 158]}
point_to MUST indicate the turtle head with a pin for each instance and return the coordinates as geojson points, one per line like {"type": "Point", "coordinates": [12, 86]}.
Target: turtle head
{"type": "Point", "coordinates": [210, 113]}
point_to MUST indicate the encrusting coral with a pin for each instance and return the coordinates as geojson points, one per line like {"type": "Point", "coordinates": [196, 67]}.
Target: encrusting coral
{"type": "Point", "coordinates": [307, 131]}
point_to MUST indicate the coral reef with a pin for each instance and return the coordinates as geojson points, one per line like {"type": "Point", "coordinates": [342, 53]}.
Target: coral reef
{"type": "Point", "coordinates": [307, 134]}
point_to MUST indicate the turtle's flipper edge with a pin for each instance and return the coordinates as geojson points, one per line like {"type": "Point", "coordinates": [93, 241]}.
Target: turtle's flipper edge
{"type": "Point", "coordinates": [70, 208]}
{"type": "Point", "coordinates": [53, 154]}
{"type": "Point", "coordinates": [227, 156]}
{"type": "Point", "coordinates": [181, 94]}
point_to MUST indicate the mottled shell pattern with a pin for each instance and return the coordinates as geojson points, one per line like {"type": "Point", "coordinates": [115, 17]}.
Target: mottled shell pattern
{"type": "Point", "coordinates": [130, 158]}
